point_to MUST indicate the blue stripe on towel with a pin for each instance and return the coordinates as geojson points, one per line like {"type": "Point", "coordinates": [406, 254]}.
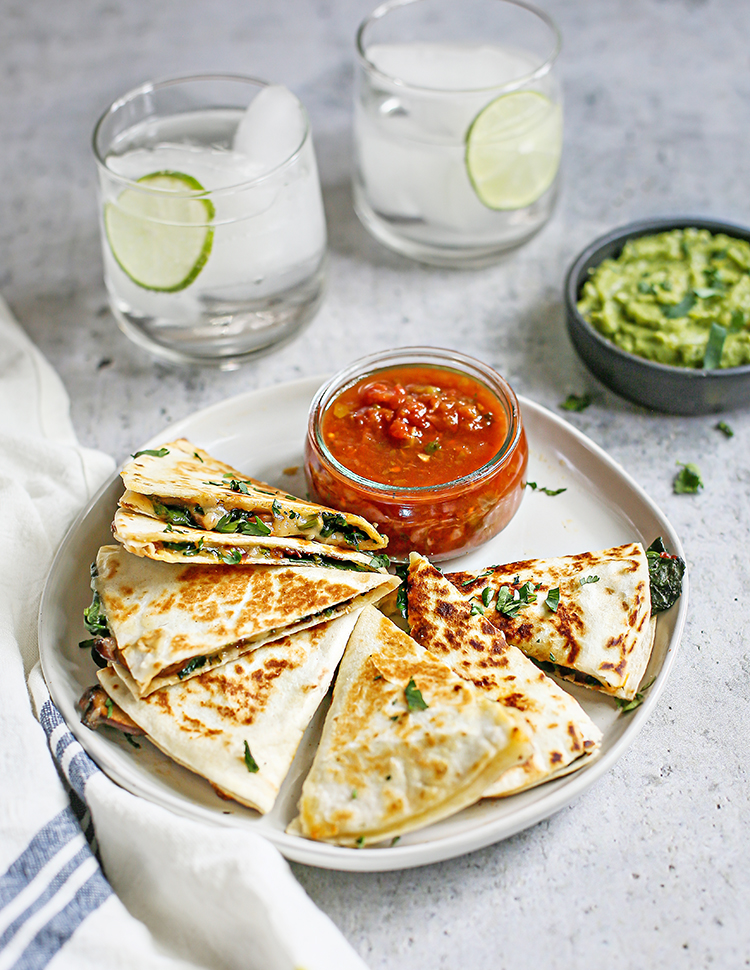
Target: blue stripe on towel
{"type": "Point", "coordinates": [44, 846]}
{"type": "Point", "coordinates": [59, 879]}
{"type": "Point", "coordinates": [80, 767]}
{"type": "Point", "coordinates": [95, 891]}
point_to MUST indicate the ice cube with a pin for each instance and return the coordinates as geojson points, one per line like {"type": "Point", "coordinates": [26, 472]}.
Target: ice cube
{"type": "Point", "coordinates": [271, 129]}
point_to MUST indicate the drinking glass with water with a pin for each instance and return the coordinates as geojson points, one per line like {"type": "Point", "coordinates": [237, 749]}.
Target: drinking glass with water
{"type": "Point", "coordinates": [213, 230]}
{"type": "Point", "coordinates": [458, 127]}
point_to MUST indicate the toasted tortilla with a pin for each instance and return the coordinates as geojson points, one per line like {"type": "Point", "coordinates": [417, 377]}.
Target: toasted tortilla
{"type": "Point", "coordinates": [171, 621]}
{"type": "Point", "coordinates": [143, 535]}
{"type": "Point", "coordinates": [383, 769]}
{"type": "Point", "coordinates": [186, 489]}
{"type": "Point", "coordinates": [562, 735]}
{"type": "Point", "coordinates": [264, 700]}
{"type": "Point", "coordinates": [602, 632]}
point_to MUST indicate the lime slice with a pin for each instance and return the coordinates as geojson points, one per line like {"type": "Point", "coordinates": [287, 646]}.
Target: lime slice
{"type": "Point", "coordinates": [513, 149]}
{"type": "Point", "coordinates": [161, 240]}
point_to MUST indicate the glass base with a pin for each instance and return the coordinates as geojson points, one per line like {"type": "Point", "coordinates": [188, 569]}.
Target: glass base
{"type": "Point", "coordinates": [418, 240]}
{"type": "Point", "coordinates": [225, 334]}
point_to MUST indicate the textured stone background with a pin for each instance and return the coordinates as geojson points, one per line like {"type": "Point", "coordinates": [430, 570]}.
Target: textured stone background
{"type": "Point", "coordinates": [650, 868]}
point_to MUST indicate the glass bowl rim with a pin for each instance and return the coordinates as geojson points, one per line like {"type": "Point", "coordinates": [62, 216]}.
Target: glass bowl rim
{"type": "Point", "coordinates": [161, 83]}
{"type": "Point", "coordinates": [437, 356]}
{"type": "Point", "coordinates": [543, 69]}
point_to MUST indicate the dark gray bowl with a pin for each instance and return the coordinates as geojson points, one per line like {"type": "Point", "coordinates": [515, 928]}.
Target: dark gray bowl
{"type": "Point", "coordinates": [661, 387]}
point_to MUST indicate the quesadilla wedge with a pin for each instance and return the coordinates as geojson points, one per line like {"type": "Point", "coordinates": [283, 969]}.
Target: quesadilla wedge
{"type": "Point", "coordinates": [598, 630]}
{"type": "Point", "coordinates": [169, 621]}
{"type": "Point", "coordinates": [563, 737]}
{"type": "Point", "coordinates": [185, 488]}
{"type": "Point", "coordinates": [405, 743]}
{"type": "Point", "coordinates": [239, 725]}
{"type": "Point", "coordinates": [143, 535]}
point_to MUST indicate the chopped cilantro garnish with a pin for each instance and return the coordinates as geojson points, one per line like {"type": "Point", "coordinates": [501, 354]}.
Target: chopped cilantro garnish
{"type": "Point", "coordinates": [688, 479]}
{"type": "Point", "coordinates": [547, 491]}
{"type": "Point", "coordinates": [431, 447]}
{"type": "Point", "coordinates": [110, 707]}
{"type": "Point", "coordinates": [725, 429]}
{"type": "Point", "coordinates": [153, 452]}
{"type": "Point", "coordinates": [714, 347]}
{"type": "Point", "coordinates": [250, 763]}
{"type": "Point", "coordinates": [486, 595]}
{"type": "Point", "coordinates": [681, 309]}
{"type": "Point", "coordinates": [553, 599]}
{"type": "Point", "coordinates": [509, 601]}
{"type": "Point", "coordinates": [414, 699]}
{"type": "Point", "coordinates": [585, 580]}
{"type": "Point", "coordinates": [576, 402]}
{"type": "Point", "coordinates": [476, 609]}
{"type": "Point", "coordinates": [379, 561]}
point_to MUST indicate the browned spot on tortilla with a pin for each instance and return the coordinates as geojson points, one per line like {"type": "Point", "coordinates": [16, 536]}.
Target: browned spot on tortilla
{"type": "Point", "coordinates": [555, 757]}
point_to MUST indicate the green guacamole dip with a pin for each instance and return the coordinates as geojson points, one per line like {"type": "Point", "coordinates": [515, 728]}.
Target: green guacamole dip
{"type": "Point", "coordinates": [679, 297]}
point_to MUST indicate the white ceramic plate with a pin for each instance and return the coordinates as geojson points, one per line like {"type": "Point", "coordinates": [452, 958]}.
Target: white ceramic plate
{"type": "Point", "coordinates": [262, 433]}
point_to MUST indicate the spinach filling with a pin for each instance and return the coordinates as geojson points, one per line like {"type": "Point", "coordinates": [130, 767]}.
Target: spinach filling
{"type": "Point", "coordinates": [665, 573]}
{"type": "Point", "coordinates": [174, 514]}
{"type": "Point", "coordinates": [335, 522]}
{"type": "Point", "coordinates": [246, 523]}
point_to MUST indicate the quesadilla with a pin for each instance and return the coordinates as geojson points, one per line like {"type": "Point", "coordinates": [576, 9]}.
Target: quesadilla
{"type": "Point", "coordinates": [405, 743]}
{"type": "Point", "coordinates": [563, 737]}
{"type": "Point", "coordinates": [199, 506]}
{"type": "Point", "coordinates": [239, 725]}
{"type": "Point", "coordinates": [169, 621]}
{"type": "Point", "coordinates": [588, 616]}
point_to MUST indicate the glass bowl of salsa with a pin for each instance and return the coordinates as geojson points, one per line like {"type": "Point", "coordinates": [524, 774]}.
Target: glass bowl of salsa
{"type": "Point", "coordinates": [426, 443]}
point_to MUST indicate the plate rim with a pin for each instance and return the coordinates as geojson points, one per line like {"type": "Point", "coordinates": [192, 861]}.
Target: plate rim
{"type": "Point", "coordinates": [324, 855]}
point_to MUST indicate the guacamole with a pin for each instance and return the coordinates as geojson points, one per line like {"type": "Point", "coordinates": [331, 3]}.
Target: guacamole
{"type": "Point", "coordinates": [679, 297]}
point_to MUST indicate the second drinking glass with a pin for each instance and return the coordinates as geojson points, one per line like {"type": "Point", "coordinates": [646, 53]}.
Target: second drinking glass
{"type": "Point", "coordinates": [458, 127]}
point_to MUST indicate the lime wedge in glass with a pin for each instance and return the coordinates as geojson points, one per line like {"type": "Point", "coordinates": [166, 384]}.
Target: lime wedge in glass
{"type": "Point", "coordinates": [513, 149]}
{"type": "Point", "coordinates": [161, 240]}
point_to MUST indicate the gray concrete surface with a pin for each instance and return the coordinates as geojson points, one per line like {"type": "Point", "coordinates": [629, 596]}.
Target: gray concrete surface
{"type": "Point", "coordinates": [650, 868]}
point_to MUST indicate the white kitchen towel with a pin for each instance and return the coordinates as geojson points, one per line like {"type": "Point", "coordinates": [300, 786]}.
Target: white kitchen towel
{"type": "Point", "coordinates": [170, 893]}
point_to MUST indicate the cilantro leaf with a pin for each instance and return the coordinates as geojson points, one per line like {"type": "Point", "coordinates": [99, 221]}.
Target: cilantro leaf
{"type": "Point", "coordinates": [576, 402]}
{"type": "Point", "coordinates": [153, 452]}
{"type": "Point", "coordinates": [725, 429]}
{"type": "Point", "coordinates": [688, 479]}
{"type": "Point", "coordinates": [588, 579]}
{"type": "Point", "coordinates": [676, 310]}
{"type": "Point", "coordinates": [714, 347]}
{"type": "Point", "coordinates": [553, 599]}
{"type": "Point", "coordinates": [414, 699]}
{"type": "Point", "coordinates": [250, 763]}
{"type": "Point", "coordinates": [547, 491]}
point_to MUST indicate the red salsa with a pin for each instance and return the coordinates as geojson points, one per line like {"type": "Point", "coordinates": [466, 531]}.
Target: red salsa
{"type": "Point", "coordinates": [414, 426]}
{"type": "Point", "coordinates": [443, 455]}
